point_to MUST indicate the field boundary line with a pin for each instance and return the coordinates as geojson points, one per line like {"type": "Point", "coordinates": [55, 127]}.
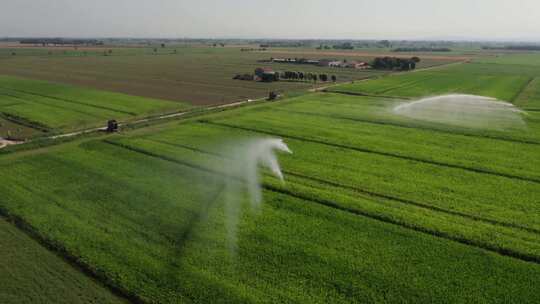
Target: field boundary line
{"type": "Point", "coordinates": [375, 216]}
{"type": "Point", "coordinates": [522, 90]}
{"type": "Point", "coordinates": [366, 192]}
{"type": "Point", "coordinates": [387, 219]}
{"type": "Point", "coordinates": [24, 122]}
{"type": "Point", "coordinates": [59, 250]}
{"type": "Point", "coordinates": [414, 203]}
{"type": "Point", "coordinates": [364, 94]}
{"type": "Point", "coordinates": [51, 105]}
{"type": "Point", "coordinates": [387, 154]}
{"type": "Point", "coordinates": [72, 101]}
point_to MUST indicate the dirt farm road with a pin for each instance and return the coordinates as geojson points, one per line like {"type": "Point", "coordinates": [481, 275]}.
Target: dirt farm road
{"type": "Point", "coordinates": [161, 117]}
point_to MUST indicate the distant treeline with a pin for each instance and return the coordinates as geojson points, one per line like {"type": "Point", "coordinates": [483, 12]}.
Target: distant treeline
{"type": "Point", "coordinates": [61, 41]}
{"type": "Point", "coordinates": [514, 47]}
{"type": "Point", "coordinates": [394, 63]}
{"type": "Point", "coordinates": [344, 46]}
{"type": "Point", "coordinates": [283, 44]}
{"type": "Point", "coordinates": [252, 49]}
{"type": "Point", "coordinates": [302, 76]}
{"type": "Point", "coordinates": [421, 49]}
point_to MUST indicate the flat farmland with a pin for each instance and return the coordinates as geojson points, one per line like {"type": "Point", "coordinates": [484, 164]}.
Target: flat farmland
{"type": "Point", "coordinates": [33, 274]}
{"type": "Point", "coordinates": [199, 75]}
{"type": "Point", "coordinates": [17, 131]}
{"type": "Point", "coordinates": [364, 204]}
{"type": "Point", "coordinates": [154, 239]}
{"type": "Point", "coordinates": [504, 82]}
{"type": "Point", "coordinates": [374, 207]}
{"type": "Point", "coordinates": [32, 106]}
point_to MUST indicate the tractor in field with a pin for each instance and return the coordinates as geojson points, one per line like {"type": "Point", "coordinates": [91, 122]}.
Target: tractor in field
{"type": "Point", "coordinates": [112, 126]}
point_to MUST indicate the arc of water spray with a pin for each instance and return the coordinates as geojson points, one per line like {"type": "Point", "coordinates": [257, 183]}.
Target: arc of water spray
{"type": "Point", "coordinates": [262, 153]}
{"type": "Point", "coordinates": [249, 158]}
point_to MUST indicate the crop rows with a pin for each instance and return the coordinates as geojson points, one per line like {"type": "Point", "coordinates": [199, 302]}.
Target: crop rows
{"type": "Point", "coordinates": [143, 237]}
{"type": "Point", "coordinates": [374, 207]}
{"type": "Point", "coordinates": [55, 106]}
{"type": "Point", "coordinates": [477, 79]}
{"type": "Point", "coordinates": [319, 175]}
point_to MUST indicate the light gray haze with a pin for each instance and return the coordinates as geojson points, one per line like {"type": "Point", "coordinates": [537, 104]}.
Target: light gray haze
{"type": "Point", "coordinates": [355, 19]}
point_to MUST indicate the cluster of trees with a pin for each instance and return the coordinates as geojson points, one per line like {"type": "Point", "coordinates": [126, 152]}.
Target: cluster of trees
{"type": "Point", "coordinates": [323, 47]}
{"type": "Point", "coordinates": [307, 76]}
{"type": "Point", "coordinates": [252, 49]}
{"type": "Point", "coordinates": [421, 49]}
{"type": "Point", "coordinates": [394, 63]}
{"type": "Point", "coordinates": [60, 41]}
{"type": "Point", "coordinates": [288, 75]}
{"type": "Point", "coordinates": [282, 43]}
{"type": "Point", "coordinates": [243, 77]}
{"type": "Point", "coordinates": [384, 43]}
{"type": "Point", "coordinates": [344, 46]}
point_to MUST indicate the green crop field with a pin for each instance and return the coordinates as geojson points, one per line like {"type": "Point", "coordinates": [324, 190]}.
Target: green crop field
{"type": "Point", "coordinates": [504, 82]}
{"type": "Point", "coordinates": [529, 99]}
{"type": "Point", "coordinates": [374, 208]}
{"type": "Point", "coordinates": [526, 59]}
{"type": "Point", "coordinates": [50, 106]}
{"type": "Point", "coordinates": [32, 274]}
{"type": "Point", "coordinates": [200, 75]}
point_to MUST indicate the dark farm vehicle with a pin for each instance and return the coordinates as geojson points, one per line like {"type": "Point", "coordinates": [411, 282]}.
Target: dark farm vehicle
{"type": "Point", "coordinates": [112, 126]}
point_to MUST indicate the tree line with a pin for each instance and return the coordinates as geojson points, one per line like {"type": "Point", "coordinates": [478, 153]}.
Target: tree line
{"type": "Point", "coordinates": [514, 47]}
{"type": "Point", "coordinates": [421, 49]}
{"type": "Point", "coordinates": [394, 63]}
{"type": "Point", "coordinates": [289, 75]}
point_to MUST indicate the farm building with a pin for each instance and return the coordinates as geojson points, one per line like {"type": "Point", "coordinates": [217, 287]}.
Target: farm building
{"type": "Point", "coordinates": [344, 64]}
{"type": "Point", "coordinates": [358, 65]}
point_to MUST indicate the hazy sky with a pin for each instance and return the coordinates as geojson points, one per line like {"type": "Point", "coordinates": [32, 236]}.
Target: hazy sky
{"type": "Point", "coordinates": [357, 19]}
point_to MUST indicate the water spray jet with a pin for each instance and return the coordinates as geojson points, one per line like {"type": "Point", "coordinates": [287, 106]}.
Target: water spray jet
{"type": "Point", "coordinates": [244, 164]}
{"type": "Point", "coordinates": [462, 110]}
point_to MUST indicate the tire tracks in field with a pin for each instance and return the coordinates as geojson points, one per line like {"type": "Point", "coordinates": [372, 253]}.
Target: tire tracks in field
{"type": "Point", "coordinates": [372, 215]}
{"type": "Point", "coordinates": [372, 151]}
